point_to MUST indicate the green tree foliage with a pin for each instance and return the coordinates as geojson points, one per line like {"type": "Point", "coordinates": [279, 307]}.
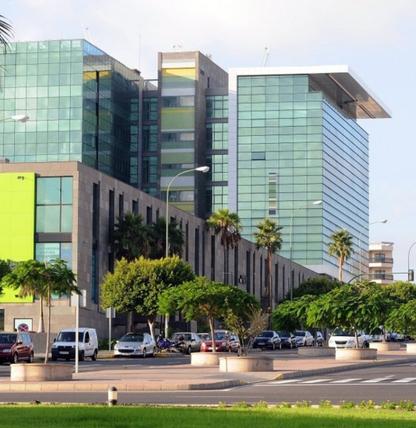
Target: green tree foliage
{"type": "Point", "coordinates": [5, 268]}
{"type": "Point", "coordinates": [32, 277]}
{"type": "Point", "coordinates": [316, 286]}
{"type": "Point", "coordinates": [340, 246]}
{"type": "Point", "coordinates": [269, 236]}
{"type": "Point", "coordinates": [136, 285]}
{"type": "Point", "coordinates": [158, 239]}
{"type": "Point", "coordinates": [228, 226]}
{"type": "Point", "coordinates": [353, 307]}
{"type": "Point", "coordinates": [202, 298]}
{"type": "Point", "coordinates": [402, 319]}
{"type": "Point", "coordinates": [292, 314]}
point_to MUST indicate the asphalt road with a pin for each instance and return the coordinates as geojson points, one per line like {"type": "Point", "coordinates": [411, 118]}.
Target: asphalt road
{"type": "Point", "coordinates": [392, 383]}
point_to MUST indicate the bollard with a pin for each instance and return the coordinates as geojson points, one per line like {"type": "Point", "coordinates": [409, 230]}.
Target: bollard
{"type": "Point", "coordinates": [112, 396]}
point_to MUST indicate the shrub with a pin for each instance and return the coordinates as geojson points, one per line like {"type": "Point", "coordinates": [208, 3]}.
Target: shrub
{"type": "Point", "coordinates": [388, 405]}
{"type": "Point", "coordinates": [303, 403]}
{"type": "Point", "coordinates": [407, 405]}
{"type": "Point", "coordinates": [325, 403]}
{"type": "Point", "coordinates": [347, 405]}
{"type": "Point", "coordinates": [284, 405]}
{"type": "Point", "coordinates": [241, 405]}
{"type": "Point", "coordinates": [261, 404]}
{"type": "Point", "coordinates": [370, 404]}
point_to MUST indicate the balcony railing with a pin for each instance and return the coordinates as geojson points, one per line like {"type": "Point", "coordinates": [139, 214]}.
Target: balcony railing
{"type": "Point", "coordinates": [382, 276]}
{"type": "Point", "coordinates": [387, 260]}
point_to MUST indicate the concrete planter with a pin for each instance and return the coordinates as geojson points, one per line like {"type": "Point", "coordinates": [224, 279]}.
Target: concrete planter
{"type": "Point", "coordinates": [306, 351]}
{"type": "Point", "coordinates": [411, 348]}
{"type": "Point", "coordinates": [246, 364]}
{"type": "Point", "coordinates": [385, 346]}
{"type": "Point", "coordinates": [40, 372]}
{"type": "Point", "coordinates": [353, 354]}
{"type": "Point", "coordinates": [206, 358]}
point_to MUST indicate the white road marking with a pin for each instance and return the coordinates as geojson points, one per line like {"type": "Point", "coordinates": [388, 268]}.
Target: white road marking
{"type": "Point", "coordinates": [280, 382]}
{"type": "Point", "coordinates": [405, 380]}
{"type": "Point", "coordinates": [377, 379]}
{"type": "Point", "coordinates": [346, 380]}
{"type": "Point", "coordinates": [317, 381]}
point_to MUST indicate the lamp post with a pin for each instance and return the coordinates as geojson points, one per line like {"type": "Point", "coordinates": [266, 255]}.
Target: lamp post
{"type": "Point", "coordinates": [202, 169]}
{"type": "Point", "coordinates": [384, 221]}
{"type": "Point", "coordinates": [319, 202]}
{"type": "Point", "coordinates": [408, 256]}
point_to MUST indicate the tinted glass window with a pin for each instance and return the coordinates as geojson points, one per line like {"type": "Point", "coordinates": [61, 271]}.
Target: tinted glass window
{"type": "Point", "coordinates": [267, 334]}
{"type": "Point", "coordinates": [69, 336]}
{"type": "Point", "coordinates": [87, 337]}
{"type": "Point", "coordinates": [283, 333]}
{"type": "Point", "coordinates": [132, 338]}
{"type": "Point", "coordinates": [7, 338]}
{"type": "Point", "coordinates": [299, 333]}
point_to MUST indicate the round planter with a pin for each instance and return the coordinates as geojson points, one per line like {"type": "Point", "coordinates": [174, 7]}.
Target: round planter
{"type": "Point", "coordinates": [206, 358]}
{"type": "Point", "coordinates": [40, 372]}
{"type": "Point", "coordinates": [353, 354]}
{"type": "Point", "coordinates": [411, 348]}
{"type": "Point", "coordinates": [246, 364]}
{"type": "Point", "coordinates": [385, 346]}
{"type": "Point", "coordinates": [315, 351]}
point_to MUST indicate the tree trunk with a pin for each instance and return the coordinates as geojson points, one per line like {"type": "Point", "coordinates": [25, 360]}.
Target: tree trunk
{"type": "Point", "coordinates": [356, 339]}
{"type": "Point", "coordinates": [130, 327]}
{"type": "Point", "coordinates": [166, 325]}
{"type": "Point", "coordinates": [211, 327]}
{"type": "Point", "coordinates": [225, 265]}
{"type": "Point", "coordinates": [340, 266]}
{"type": "Point", "coordinates": [48, 331]}
{"type": "Point", "coordinates": [151, 323]}
{"type": "Point", "coordinates": [41, 327]}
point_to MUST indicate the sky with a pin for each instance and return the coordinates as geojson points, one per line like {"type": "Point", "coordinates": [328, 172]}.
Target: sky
{"type": "Point", "coordinates": [375, 37]}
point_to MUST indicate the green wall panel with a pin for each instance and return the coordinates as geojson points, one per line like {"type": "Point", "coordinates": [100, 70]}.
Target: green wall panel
{"type": "Point", "coordinates": [17, 222]}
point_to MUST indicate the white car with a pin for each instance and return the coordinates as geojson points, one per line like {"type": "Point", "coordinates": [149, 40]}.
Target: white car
{"type": "Point", "coordinates": [343, 339]}
{"type": "Point", "coordinates": [135, 344]}
{"type": "Point", "coordinates": [64, 345]}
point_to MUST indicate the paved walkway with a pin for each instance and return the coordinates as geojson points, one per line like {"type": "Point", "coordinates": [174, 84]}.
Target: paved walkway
{"type": "Point", "coordinates": [187, 377]}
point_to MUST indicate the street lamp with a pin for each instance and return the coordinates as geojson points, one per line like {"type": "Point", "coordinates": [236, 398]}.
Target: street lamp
{"type": "Point", "coordinates": [318, 202]}
{"type": "Point", "coordinates": [202, 169]}
{"type": "Point", "coordinates": [408, 256]}
{"type": "Point", "coordinates": [384, 221]}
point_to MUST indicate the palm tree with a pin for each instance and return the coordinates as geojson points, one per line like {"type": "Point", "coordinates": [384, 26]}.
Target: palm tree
{"type": "Point", "coordinates": [6, 31]}
{"type": "Point", "coordinates": [228, 226]}
{"type": "Point", "coordinates": [131, 238]}
{"type": "Point", "coordinates": [269, 236]}
{"type": "Point", "coordinates": [158, 239]}
{"type": "Point", "coordinates": [46, 278]}
{"type": "Point", "coordinates": [340, 246]}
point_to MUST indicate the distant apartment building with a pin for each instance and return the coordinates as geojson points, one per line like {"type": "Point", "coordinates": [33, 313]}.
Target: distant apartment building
{"type": "Point", "coordinates": [380, 262]}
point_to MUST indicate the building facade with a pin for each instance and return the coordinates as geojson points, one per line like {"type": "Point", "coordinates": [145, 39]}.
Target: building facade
{"type": "Point", "coordinates": [380, 262]}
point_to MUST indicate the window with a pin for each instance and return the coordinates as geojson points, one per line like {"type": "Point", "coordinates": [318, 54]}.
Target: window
{"type": "Point", "coordinates": [135, 207]}
{"type": "Point", "coordinates": [1, 319]}
{"type": "Point", "coordinates": [149, 215]}
{"type": "Point", "coordinates": [120, 206]}
{"type": "Point", "coordinates": [54, 205]}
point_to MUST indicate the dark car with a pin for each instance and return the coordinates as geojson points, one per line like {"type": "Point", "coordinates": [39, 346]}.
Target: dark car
{"type": "Point", "coordinates": [15, 347]}
{"type": "Point", "coordinates": [268, 339]}
{"type": "Point", "coordinates": [287, 340]}
{"type": "Point", "coordinates": [224, 342]}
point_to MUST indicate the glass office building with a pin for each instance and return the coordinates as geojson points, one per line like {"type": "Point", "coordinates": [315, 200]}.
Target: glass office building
{"type": "Point", "coordinates": [83, 105]}
{"type": "Point", "coordinates": [298, 155]}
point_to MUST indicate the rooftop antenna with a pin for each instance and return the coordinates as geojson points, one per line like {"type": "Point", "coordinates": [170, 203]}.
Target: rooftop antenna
{"type": "Point", "coordinates": [266, 56]}
{"type": "Point", "coordinates": [177, 47]}
{"type": "Point", "coordinates": [139, 59]}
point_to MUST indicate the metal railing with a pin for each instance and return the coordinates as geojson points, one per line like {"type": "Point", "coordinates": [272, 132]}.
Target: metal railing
{"type": "Point", "coordinates": [387, 260]}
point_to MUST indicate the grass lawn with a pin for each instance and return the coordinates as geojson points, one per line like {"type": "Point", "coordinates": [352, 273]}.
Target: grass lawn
{"type": "Point", "coordinates": [121, 417]}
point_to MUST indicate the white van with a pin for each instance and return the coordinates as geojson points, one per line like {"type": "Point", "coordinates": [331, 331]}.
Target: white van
{"type": "Point", "coordinates": [64, 345]}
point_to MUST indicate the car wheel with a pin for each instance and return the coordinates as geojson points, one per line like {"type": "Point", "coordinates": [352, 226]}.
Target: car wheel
{"type": "Point", "coordinates": [81, 356]}
{"type": "Point", "coordinates": [280, 345]}
{"type": "Point", "coordinates": [15, 358]}
{"type": "Point", "coordinates": [94, 356]}
{"type": "Point", "coordinates": [30, 360]}
{"type": "Point", "coordinates": [144, 352]}
{"type": "Point", "coordinates": [366, 345]}
{"type": "Point", "coordinates": [189, 350]}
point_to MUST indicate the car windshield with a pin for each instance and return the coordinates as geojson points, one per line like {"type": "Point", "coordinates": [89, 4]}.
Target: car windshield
{"type": "Point", "coordinates": [266, 334]}
{"type": "Point", "coordinates": [220, 335]}
{"type": "Point", "coordinates": [8, 338]}
{"type": "Point", "coordinates": [283, 333]}
{"type": "Point", "coordinates": [132, 338]}
{"type": "Point", "coordinates": [69, 336]}
{"type": "Point", "coordinates": [299, 333]}
{"type": "Point", "coordinates": [182, 336]}
{"type": "Point", "coordinates": [341, 332]}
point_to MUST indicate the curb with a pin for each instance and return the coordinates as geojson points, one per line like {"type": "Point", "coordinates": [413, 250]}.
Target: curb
{"type": "Point", "coordinates": [358, 366]}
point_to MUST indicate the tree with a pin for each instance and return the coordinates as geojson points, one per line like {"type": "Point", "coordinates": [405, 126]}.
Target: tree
{"type": "Point", "coordinates": [131, 238]}
{"type": "Point", "coordinates": [340, 246]}
{"type": "Point", "coordinates": [228, 226]}
{"type": "Point", "coordinates": [316, 286]}
{"type": "Point", "coordinates": [47, 278]}
{"type": "Point", "coordinates": [292, 314]}
{"type": "Point", "coordinates": [158, 238]}
{"type": "Point", "coordinates": [202, 298]}
{"type": "Point", "coordinates": [6, 31]}
{"type": "Point", "coordinates": [353, 307]}
{"type": "Point", "coordinates": [5, 268]}
{"type": "Point", "coordinates": [402, 319]}
{"type": "Point", "coordinates": [269, 236]}
{"type": "Point", "coordinates": [137, 285]}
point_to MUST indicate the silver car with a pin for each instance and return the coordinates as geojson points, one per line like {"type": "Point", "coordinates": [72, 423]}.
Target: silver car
{"type": "Point", "coordinates": [135, 345]}
{"type": "Point", "coordinates": [187, 341]}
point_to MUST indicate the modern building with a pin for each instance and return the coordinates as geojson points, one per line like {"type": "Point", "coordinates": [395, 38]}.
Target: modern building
{"type": "Point", "coordinates": [380, 262]}
{"type": "Point", "coordinates": [68, 210]}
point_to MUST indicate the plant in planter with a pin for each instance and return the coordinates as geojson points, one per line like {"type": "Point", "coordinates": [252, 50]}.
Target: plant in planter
{"type": "Point", "coordinates": [402, 319]}
{"type": "Point", "coordinates": [32, 277]}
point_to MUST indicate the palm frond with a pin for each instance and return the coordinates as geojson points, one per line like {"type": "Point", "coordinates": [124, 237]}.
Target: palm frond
{"type": "Point", "coordinates": [6, 31]}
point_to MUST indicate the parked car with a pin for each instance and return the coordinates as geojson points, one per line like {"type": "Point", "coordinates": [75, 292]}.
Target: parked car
{"type": "Point", "coordinates": [287, 340]}
{"type": "Point", "coordinates": [15, 347]}
{"type": "Point", "coordinates": [345, 339]}
{"type": "Point", "coordinates": [134, 345]}
{"type": "Point", "coordinates": [304, 338]}
{"type": "Point", "coordinates": [225, 341]}
{"type": "Point", "coordinates": [64, 345]}
{"type": "Point", "coordinates": [204, 336]}
{"type": "Point", "coordinates": [319, 339]}
{"type": "Point", "coordinates": [187, 341]}
{"type": "Point", "coordinates": [268, 339]}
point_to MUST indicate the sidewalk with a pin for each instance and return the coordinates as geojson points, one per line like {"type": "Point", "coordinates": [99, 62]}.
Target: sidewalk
{"type": "Point", "coordinates": [187, 377]}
